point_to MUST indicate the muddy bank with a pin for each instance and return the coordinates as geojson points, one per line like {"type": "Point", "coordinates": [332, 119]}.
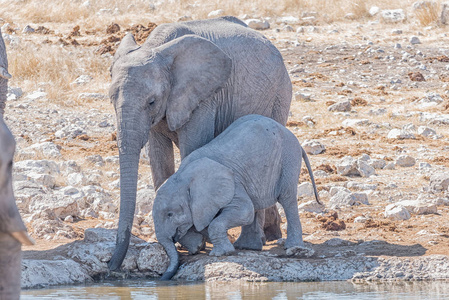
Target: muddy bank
{"type": "Point", "coordinates": [335, 259]}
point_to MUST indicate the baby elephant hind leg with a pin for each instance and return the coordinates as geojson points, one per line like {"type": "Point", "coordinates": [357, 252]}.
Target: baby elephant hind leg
{"type": "Point", "coordinates": [294, 229]}
{"type": "Point", "coordinates": [252, 236]}
{"type": "Point", "coordinates": [237, 213]}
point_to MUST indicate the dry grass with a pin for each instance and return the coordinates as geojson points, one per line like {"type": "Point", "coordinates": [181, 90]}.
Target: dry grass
{"type": "Point", "coordinates": [53, 68]}
{"type": "Point", "coordinates": [428, 14]}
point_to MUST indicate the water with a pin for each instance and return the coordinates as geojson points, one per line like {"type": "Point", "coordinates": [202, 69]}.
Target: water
{"type": "Point", "coordinates": [137, 290]}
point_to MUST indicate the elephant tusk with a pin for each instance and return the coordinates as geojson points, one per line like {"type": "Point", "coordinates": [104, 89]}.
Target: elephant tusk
{"type": "Point", "coordinates": [4, 73]}
{"type": "Point", "coordinates": [23, 237]}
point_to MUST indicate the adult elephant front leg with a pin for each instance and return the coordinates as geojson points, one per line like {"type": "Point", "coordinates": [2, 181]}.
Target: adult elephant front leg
{"type": "Point", "coordinates": [160, 153]}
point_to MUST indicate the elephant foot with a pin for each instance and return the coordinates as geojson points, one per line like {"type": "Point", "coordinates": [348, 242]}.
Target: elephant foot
{"type": "Point", "coordinates": [220, 250]}
{"type": "Point", "coordinates": [272, 224]}
{"type": "Point", "coordinates": [249, 243]}
{"type": "Point", "coordinates": [193, 241]}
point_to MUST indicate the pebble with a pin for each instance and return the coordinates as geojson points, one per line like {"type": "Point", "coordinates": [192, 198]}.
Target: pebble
{"type": "Point", "coordinates": [313, 147]}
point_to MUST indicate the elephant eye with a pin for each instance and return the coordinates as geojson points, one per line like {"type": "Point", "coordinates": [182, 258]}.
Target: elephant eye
{"type": "Point", "coordinates": [170, 214]}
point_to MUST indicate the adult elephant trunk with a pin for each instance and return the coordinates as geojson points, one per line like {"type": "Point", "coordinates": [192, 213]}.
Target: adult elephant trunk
{"type": "Point", "coordinates": [172, 253]}
{"type": "Point", "coordinates": [4, 75]}
{"type": "Point", "coordinates": [130, 143]}
{"type": "Point", "coordinates": [10, 267]}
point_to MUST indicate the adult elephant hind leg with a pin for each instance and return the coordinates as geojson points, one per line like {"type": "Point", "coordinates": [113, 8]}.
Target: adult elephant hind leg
{"type": "Point", "coordinates": [252, 236]}
{"type": "Point", "coordinates": [272, 225]}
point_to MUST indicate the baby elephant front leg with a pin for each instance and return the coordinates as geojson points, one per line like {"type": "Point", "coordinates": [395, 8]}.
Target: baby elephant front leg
{"type": "Point", "coordinates": [237, 213]}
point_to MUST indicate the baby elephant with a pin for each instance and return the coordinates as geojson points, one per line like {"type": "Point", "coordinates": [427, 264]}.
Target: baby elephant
{"type": "Point", "coordinates": [251, 165]}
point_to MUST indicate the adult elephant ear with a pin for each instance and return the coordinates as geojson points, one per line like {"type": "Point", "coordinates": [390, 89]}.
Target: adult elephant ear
{"type": "Point", "coordinates": [211, 188]}
{"type": "Point", "coordinates": [198, 69]}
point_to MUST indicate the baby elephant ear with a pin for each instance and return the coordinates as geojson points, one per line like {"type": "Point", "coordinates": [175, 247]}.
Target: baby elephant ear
{"type": "Point", "coordinates": [127, 45]}
{"type": "Point", "coordinates": [211, 188]}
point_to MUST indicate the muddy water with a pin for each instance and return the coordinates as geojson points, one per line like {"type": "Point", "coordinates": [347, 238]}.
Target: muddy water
{"type": "Point", "coordinates": [121, 290]}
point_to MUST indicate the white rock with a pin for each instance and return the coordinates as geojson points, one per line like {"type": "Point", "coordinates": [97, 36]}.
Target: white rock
{"type": "Point", "coordinates": [390, 166]}
{"type": "Point", "coordinates": [14, 93]}
{"type": "Point", "coordinates": [47, 149]}
{"type": "Point", "coordinates": [418, 207]}
{"type": "Point", "coordinates": [335, 189]}
{"type": "Point", "coordinates": [365, 169]}
{"type": "Point", "coordinates": [393, 15]}
{"type": "Point", "coordinates": [305, 189]}
{"type": "Point", "coordinates": [215, 13]}
{"type": "Point", "coordinates": [288, 28]}
{"type": "Point", "coordinates": [340, 106]}
{"type": "Point", "coordinates": [377, 163]}
{"type": "Point", "coordinates": [37, 166]}
{"type": "Point", "coordinates": [426, 131]}
{"type": "Point", "coordinates": [61, 206]}
{"type": "Point", "coordinates": [347, 166]}
{"type": "Point", "coordinates": [144, 201]}
{"type": "Point", "coordinates": [342, 198]}
{"type": "Point", "coordinates": [36, 96]}
{"type": "Point", "coordinates": [396, 212]}
{"type": "Point", "coordinates": [360, 219]}
{"type": "Point", "coordinates": [257, 24]}
{"type": "Point", "coordinates": [153, 258]}
{"type": "Point", "coordinates": [439, 182]}
{"type": "Point", "coordinates": [374, 10]}
{"type": "Point", "coordinates": [300, 96]}
{"type": "Point", "coordinates": [356, 122]}
{"type": "Point", "coordinates": [82, 80]}
{"type": "Point", "coordinates": [313, 147]}
{"type": "Point", "coordinates": [76, 179]}
{"type": "Point", "coordinates": [311, 206]}
{"type": "Point", "coordinates": [70, 131]}
{"type": "Point", "coordinates": [405, 161]}
{"type": "Point", "coordinates": [424, 165]}
{"type": "Point", "coordinates": [400, 134]}
{"type": "Point", "coordinates": [288, 20]}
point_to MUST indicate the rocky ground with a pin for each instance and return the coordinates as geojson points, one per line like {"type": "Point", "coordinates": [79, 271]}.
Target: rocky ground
{"type": "Point", "coordinates": [370, 106]}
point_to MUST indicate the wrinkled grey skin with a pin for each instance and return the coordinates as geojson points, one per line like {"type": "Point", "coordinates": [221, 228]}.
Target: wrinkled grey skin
{"type": "Point", "coordinates": [186, 84]}
{"type": "Point", "coordinates": [253, 164]}
{"type": "Point", "coordinates": [12, 230]}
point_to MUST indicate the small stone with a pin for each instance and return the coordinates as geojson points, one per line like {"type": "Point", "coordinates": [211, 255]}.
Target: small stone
{"type": "Point", "coordinates": [68, 219]}
{"type": "Point", "coordinates": [28, 29]}
{"type": "Point", "coordinates": [215, 13]}
{"type": "Point", "coordinates": [347, 166]}
{"type": "Point", "coordinates": [405, 161]}
{"type": "Point", "coordinates": [313, 147]}
{"type": "Point", "coordinates": [257, 24]}
{"type": "Point", "coordinates": [424, 165]}
{"type": "Point", "coordinates": [393, 15]}
{"type": "Point", "coordinates": [288, 28]}
{"type": "Point", "coordinates": [439, 182]}
{"type": "Point", "coordinates": [396, 31]}
{"type": "Point", "coordinates": [82, 80]}
{"type": "Point", "coordinates": [311, 206]}
{"type": "Point", "coordinates": [396, 212]}
{"type": "Point", "coordinates": [418, 207]}
{"type": "Point", "coordinates": [426, 131]}
{"type": "Point", "coordinates": [374, 10]}
{"type": "Point", "coordinates": [340, 106]}
{"type": "Point", "coordinates": [365, 169]}
{"type": "Point", "coordinates": [360, 219]}
{"type": "Point", "coordinates": [414, 40]}
{"type": "Point", "coordinates": [400, 134]}
{"type": "Point", "coordinates": [355, 122]}
{"type": "Point", "coordinates": [36, 96]}
{"type": "Point", "coordinates": [377, 163]}
{"type": "Point", "coordinates": [299, 96]}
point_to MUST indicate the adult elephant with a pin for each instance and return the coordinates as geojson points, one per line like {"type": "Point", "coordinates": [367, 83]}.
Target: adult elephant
{"type": "Point", "coordinates": [185, 85]}
{"type": "Point", "coordinates": [12, 230]}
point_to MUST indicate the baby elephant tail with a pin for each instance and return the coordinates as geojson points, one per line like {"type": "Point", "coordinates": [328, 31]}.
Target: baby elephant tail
{"type": "Point", "coordinates": [306, 160]}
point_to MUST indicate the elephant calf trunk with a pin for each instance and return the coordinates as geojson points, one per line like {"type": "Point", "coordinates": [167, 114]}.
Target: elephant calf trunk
{"type": "Point", "coordinates": [172, 253]}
